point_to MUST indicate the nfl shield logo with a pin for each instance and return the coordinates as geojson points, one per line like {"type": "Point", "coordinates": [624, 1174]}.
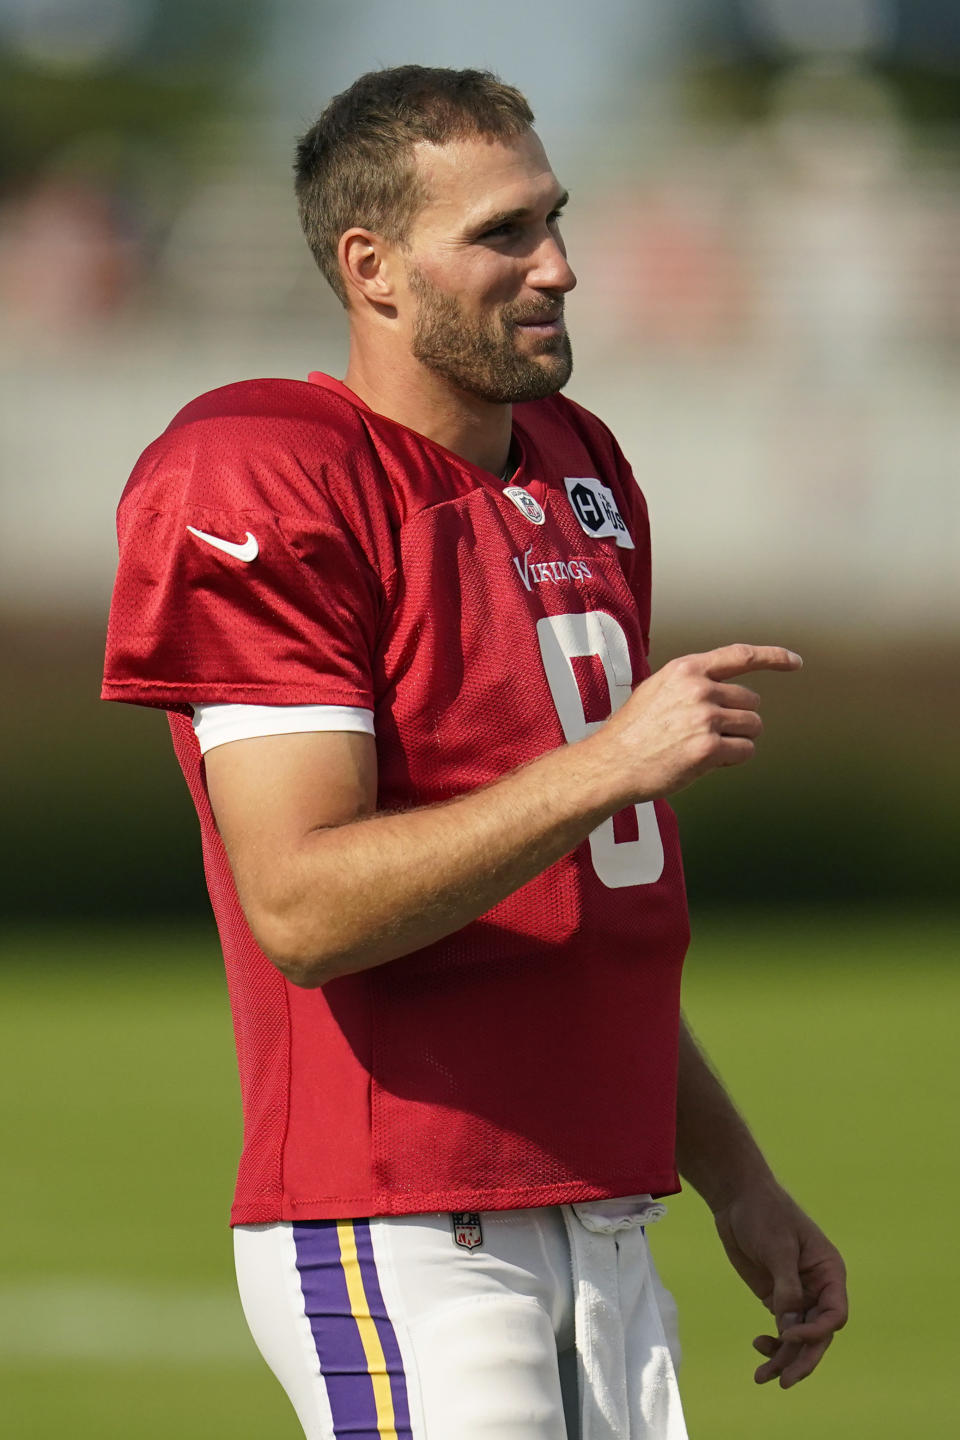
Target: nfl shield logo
{"type": "Point", "coordinates": [467, 1231]}
{"type": "Point", "coordinates": [525, 503]}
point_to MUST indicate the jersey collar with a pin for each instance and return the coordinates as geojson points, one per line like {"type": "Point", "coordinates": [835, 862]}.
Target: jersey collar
{"type": "Point", "coordinates": [327, 382]}
{"type": "Point", "coordinates": [514, 475]}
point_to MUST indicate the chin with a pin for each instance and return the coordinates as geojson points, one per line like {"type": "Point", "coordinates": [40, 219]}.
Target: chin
{"type": "Point", "coordinates": [551, 377]}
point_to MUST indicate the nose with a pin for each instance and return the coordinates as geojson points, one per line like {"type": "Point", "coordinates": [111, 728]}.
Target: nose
{"type": "Point", "coordinates": [551, 270]}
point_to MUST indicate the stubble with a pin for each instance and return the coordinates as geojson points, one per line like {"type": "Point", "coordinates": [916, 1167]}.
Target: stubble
{"type": "Point", "coordinates": [482, 356]}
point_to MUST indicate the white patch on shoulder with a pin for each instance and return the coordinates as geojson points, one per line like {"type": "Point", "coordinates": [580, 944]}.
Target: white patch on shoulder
{"type": "Point", "coordinates": [596, 509]}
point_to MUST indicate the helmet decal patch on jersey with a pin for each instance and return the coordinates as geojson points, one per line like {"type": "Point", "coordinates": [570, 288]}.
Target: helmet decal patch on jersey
{"type": "Point", "coordinates": [595, 507]}
{"type": "Point", "coordinates": [467, 1230]}
{"type": "Point", "coordinates": [525, 503]}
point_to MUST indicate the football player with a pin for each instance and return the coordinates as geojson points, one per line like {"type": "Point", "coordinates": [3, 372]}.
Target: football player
{"type": "Point", "coordinates": [400, 623]}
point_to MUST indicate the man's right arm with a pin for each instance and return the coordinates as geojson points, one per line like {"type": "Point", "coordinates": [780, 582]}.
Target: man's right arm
{"type": "Point", "coordinates": [329, 887]}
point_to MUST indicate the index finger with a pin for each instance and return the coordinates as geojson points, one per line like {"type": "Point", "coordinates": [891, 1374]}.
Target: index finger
{"type": "Point", "coordinates": [731, 660]}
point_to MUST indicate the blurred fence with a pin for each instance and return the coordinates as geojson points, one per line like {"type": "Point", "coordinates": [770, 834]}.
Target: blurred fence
{"type": "Point", "coordinates": [765, 217]}
{"type": "Point", "coordinates": [851, 799]}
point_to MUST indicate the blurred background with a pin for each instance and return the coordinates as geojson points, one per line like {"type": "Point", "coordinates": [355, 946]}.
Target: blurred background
{"type": "Point", "coordinates": [765, 223]}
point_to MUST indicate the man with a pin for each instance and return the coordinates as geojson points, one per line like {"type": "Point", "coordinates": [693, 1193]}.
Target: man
{"type": "Point", "coordinates": [403, 618]}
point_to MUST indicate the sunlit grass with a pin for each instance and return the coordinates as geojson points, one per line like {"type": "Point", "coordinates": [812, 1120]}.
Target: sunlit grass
{"type": "Point", "coordinates": [120, 1116]}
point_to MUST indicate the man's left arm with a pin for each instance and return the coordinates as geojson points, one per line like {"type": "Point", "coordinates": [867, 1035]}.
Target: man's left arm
{"type": "Point", "coordinates": [786, 1260]}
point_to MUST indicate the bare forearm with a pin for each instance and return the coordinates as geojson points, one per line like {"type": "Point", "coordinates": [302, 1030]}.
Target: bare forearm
{"type": "Point", "coordinates": [776, 1248]}
{"type": "Point", "coordinates": [715, 1149]}
{"type": "Point", "coordinates": [399, 881]}
{"type": "Point", "coordinates": [330, 895]}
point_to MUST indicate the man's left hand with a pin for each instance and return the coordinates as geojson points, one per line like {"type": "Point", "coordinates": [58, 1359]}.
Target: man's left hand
{"type": "Point", "coordinates": [793, 1268]}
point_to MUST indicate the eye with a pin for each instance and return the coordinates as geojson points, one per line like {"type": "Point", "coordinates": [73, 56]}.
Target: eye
{"type": "Point", "coordinates": [555, 216]}
{"type": "Point", "coordinates": [508, 228]}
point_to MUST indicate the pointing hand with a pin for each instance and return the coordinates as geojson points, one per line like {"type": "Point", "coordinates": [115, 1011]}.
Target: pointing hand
{"type": "Point", "coordinates": [686, 719]}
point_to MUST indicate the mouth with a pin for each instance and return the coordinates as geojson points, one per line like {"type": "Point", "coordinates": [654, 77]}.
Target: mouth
{"type": "Point", "coordinates": [545, 325]}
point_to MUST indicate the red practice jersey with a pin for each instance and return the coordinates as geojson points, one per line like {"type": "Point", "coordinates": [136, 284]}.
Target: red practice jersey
{"type": "Point", "coordinates": [531, 1057]}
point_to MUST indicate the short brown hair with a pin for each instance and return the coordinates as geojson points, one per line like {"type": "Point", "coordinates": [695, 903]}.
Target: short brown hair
{"type": "Point", "coordinates": [354, 166]}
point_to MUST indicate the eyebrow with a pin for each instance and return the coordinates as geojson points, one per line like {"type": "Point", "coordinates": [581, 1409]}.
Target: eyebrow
{"type": "Point", "coordinates": [507, 217]}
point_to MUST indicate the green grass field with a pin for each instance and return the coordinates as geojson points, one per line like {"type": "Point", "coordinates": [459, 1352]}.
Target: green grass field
{"type": "Point", "coordinates": [121, 1125]}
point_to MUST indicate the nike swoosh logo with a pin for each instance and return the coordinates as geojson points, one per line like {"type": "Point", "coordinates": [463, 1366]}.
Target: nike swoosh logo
{"type": "Point", "coordinates": [249, 550]}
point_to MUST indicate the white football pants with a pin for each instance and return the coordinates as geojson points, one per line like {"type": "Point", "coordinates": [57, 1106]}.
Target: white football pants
{"type": "Point", "coordinates": [540, 1324]}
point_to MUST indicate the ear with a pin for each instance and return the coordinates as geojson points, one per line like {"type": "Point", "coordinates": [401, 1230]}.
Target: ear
{"type": "Point", "coordinates": [365, 263]}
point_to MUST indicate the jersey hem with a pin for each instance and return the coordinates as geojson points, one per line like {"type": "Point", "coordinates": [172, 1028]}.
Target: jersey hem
{"type": "Point", "coordinates": [206, 692]}
{"type": "Point", "coordinates": [515, 1198]}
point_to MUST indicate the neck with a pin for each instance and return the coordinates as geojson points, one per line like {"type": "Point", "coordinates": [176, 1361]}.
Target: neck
{"type": "Point", "coordinates": [417, 397]}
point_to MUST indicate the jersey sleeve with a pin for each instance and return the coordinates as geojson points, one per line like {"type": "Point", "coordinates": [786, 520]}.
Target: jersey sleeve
{"type": "Point", "coordinates": [614, 470]}
{"type": "Point", "coordinates": [636, 562]}
{"type": "Point", "coordinates": [223, 595]}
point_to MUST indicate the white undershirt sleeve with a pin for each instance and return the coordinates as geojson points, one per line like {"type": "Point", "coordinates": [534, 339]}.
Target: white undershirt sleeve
{"type": "Point", "coordinates": [219, 724]}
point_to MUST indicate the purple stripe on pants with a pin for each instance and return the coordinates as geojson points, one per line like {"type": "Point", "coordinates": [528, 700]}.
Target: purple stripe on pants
{"type": "Point", "coordinates": [343, 1363]}
{"type": "Point", "coordinates": [385, 1330]}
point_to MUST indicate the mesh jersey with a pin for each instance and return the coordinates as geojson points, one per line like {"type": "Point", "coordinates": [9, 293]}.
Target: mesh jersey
{"type": "Point", "coordinates": [530, 1058]}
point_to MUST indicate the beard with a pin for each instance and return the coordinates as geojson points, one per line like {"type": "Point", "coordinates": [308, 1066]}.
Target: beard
{"type": "Point", "coordinates": [480, 355]}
